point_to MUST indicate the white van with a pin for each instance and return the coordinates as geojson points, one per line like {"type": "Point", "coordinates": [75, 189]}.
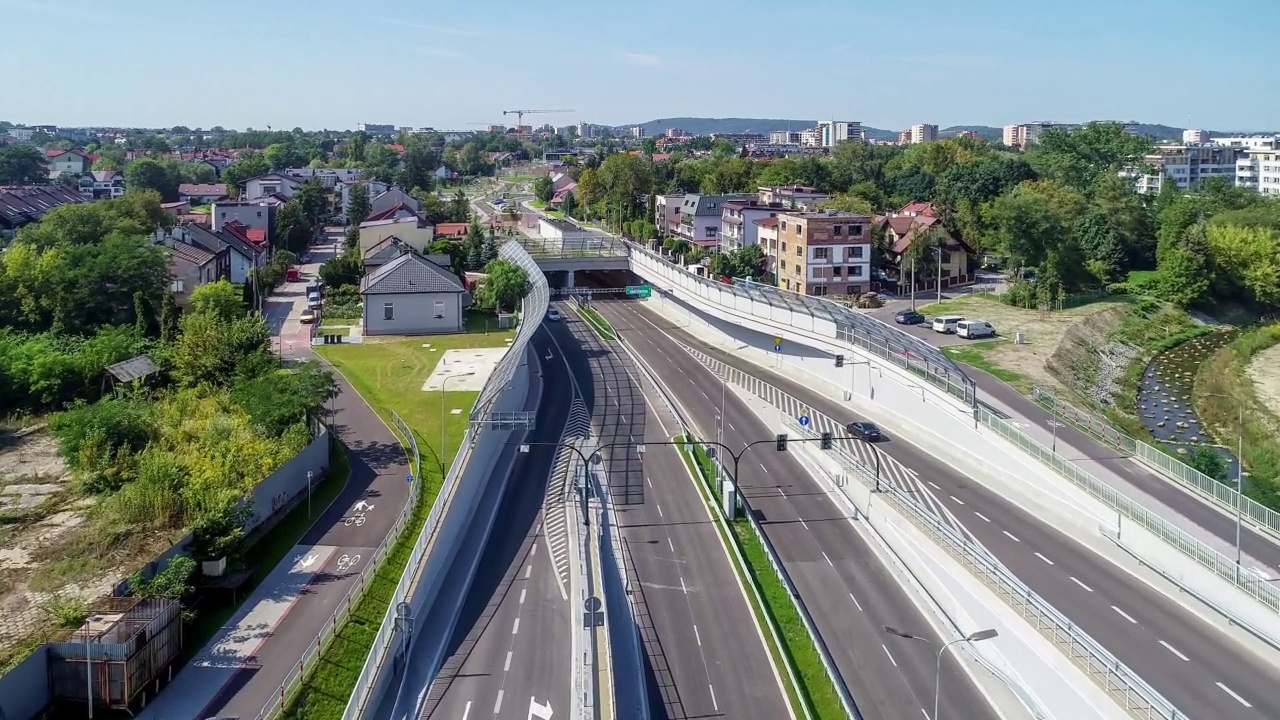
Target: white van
{"type": "Point", "coordinates": [946, 323]}
{"type": "Point", "coordinates": [971, 329]}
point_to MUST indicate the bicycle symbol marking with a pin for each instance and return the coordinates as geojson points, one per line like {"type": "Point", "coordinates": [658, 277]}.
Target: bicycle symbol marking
{"type": "Point", "coordinates": [346, 562]}
{"type": "Point", "coordinates": [356, 519]}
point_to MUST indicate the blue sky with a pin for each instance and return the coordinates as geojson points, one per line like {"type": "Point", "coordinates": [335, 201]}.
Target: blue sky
{"type": "Point", "coordinates": [334, 63]}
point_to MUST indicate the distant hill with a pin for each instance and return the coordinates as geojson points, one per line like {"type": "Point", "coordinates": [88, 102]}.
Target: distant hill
{"type": "Point", "coordinates": [986, 132]}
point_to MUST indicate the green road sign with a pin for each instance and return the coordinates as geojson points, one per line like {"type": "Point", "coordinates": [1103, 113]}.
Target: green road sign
{"type": "Point", "coordinates": [639, 290]}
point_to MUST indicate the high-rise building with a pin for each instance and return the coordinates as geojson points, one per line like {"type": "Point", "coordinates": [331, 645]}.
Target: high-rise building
{"type": "Point", "coordinates": [675, 133]}
{"type": "Point", "coordinates": [923, 134]}
{"type": "Point", "coordinates": [377, 128]}
{"type": "Point", "coordinates": [822, 253]}
{"type": "Point", "coordinates": [904, 137]}
{"type": "Point", "coordinates": [1186, 166]}
{"type": "Point", "coordinates": [1020, 136]}
{"type": "Point", "coordinates": [637, 131]}
{"type": "Point", "coordinates": [834, 132]}
{"type": "Point", "coordinates": [784, 137]}
{"type": "Point", "coordinates": [1195, 137]}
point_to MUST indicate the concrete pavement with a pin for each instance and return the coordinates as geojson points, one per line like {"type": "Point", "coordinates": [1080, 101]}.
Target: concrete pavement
{"type": "Point", "coordinates": [705, 655]}
{"type": "Point", "coordinates": [848, 592]}
{"type": "Point", "coordinates": [1191, 662]}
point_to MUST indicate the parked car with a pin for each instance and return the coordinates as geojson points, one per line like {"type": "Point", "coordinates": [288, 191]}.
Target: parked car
{"type": "Point", "coordinates": [908, 317]}
{"type": "Point", "coordinates": [971, 329]}
{"type": "Point", "coordinates": [308, 316]}
{"type": "Point", "coordinates": [553, 315]}
{"type": "Point", "coordinates": [946, 323]}
{"type": "Point", "coordinates": [865, 430]}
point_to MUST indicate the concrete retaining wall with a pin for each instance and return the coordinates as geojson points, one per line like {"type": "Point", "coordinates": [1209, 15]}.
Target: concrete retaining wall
{"type": "Point", "coordinates": [24, 690]}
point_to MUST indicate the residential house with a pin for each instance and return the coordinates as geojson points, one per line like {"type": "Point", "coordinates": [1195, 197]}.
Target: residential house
{"type": "Point", "coordinates": [822, 253]}
{"type": "Point", "coordinates": [560, 181]}
{"type": "Point", "coordinates": [452, 231]}
{"type": "Point", "coordinates": [699, 220]}
{"type": "Point", "coordinates": [21, 206]}
{"type": "Point", "coordinates": [392, 197]}
{"type": "Point", "coordinates": [901, 228]}
{"type": "Point", "coordinates": [75, 162]}
{"type": "Point", "coordinates": [410, 295]}
{"type": "Point", "coordinates": [666, 214]}
{"type": "Point", "coordinates": [191, 266]}
{"type": "Point", "coordinates": [502, 159]}
{"type": "Point", "coordinates": [256, 215]}
{"type": "Point", "coordinates": [737, 222]}
{"type": "Point", "coordinates": [373, 187]}
{"type": "Point", "coordinates": [392, 248]}
{"type": "Point", "coordinates": [271, 184]}
{"type": "Point", "coordinates": [329, 178]}
{"type": "Point", "coordinates": [398, 211]}
{"type": "Point", "coordinates": [558, 199]}
{"type": "Point", "coordinates": [413, 231]}
{"type": "Point", "coordinates": [235, 256]}
{"type": "Point", "coordinates": [177, 209]}
{"type": "Point", "coordinates": [795, 197]}
{"type": "Point", "coordinates": [767, 239]}
{"type": "Point", "coordinates": [99, 184]}
{"type": "Point", "coordinates": [202, 194]}
{"type": "Point", "coordinates": [444, 174]}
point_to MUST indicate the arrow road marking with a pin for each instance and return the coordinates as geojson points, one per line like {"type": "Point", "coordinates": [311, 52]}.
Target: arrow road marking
{"type": "Point", "coordinates": [538, 710]}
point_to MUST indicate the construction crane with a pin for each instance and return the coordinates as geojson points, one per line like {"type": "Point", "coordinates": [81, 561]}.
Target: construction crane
{"type": "Point", "coordinates": [521, 113]}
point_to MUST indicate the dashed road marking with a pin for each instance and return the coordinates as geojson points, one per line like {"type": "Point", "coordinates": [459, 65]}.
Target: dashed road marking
{"type": "Point", "coordinates": [1010, 536]}
{"type": "Point", "coordinates": [1124, 615]}
{"type": "Point", "coordinates": [697, 636]}
{"type": "Point", "coordinates": [506, 665]}
{"type": "Point", "coordinates": [953, 497]}
{"type": "Point", "coordinates": [1044, 558]}
{"type": "Point", "coordinates": [497, 706]}
{"type": "Point", "coordinates": [824, 557]}
{"type": "Point", "coordinates": [1086, 587]}
{"type": "Point", "coordinates": [522, 594]}
{"type": "Point", "coordinates": [855, 602]}
{"type": "Point", "coordinates": [683, 588]}
{"type": "Point", "coordinates": [886, 652]}
{"type": "Point", "coordinates": [515, 627]}
{"type": "Point", "coordinates": [715, 705]}
{"type": "Point", "coordinates": [1233, 694]}
{"type": "Point", "coordinates": [1174, 650]}
{"type": "Point", "coordinates": [984, 517]}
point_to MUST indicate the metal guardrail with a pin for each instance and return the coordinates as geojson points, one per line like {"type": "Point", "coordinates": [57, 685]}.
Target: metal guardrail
{"type": "Point", "coordinates": [1162, 462]}
{"type": "Point", "coordinates": [311, 654]}
{"type": "Point", "coordinates": [1175, 537]}
{"type": "Point", "coordinates": [1136, 696]}
{"type": "Point", "coordinates": [532, 309]}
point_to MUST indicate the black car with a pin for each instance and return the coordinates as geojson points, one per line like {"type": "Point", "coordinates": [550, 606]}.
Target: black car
{"type": "Point", "coordinates": [908, 317]}
{"type": "Point", "coordinates": [865, 430]}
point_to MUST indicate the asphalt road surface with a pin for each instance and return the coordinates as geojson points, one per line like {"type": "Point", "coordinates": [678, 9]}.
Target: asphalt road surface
{"type": "Point", "coordinates": [1201, 670]}
{"type": "Point", "coordinates": [512, 643]}
{"type": "Point", "coordinates": [704, 655]}
{"type": "Point", "coordinates": [849, 593]}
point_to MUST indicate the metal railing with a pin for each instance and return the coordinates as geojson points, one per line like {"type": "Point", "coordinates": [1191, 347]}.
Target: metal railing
{"type": "Point", "coordinates": [311, 654]}
{"type": "Point", "coordinates": [1115, 678]}
{"type": "Point", "coordinates": [1162, 462]}
{"type": "Point", "coordinates": [551, 248]}
{"type": "Point", "coordinates": [1175, 537]}
{"type": "Point", "coordinates": [532, 309]}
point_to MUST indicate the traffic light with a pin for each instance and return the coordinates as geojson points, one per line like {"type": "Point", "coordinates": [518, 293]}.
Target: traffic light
{"type": "Point", "coordinates": [782, 442]}
{"type": "Point", "coordinates": [839, 361]}
{"type": "Point", "coordinates": [826, 441]}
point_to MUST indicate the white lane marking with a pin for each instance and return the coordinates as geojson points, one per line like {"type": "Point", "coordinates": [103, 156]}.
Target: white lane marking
{"type": "Point", "coordinates": [497, 706]}
{"type": "Point", "coordinates": [1010, 536]}
{"type": "Point", "coordinates": [913, 472]}
{"type": "Point", "coordinates": [886, 652]}
{"type": "Point", "coordinates": [824, 557]}
{"type": "Point", "coordinates": [659, 509]}
{"type": "Point", "coordinates": [805, 524]}
{"type": "Point", "coordinates": [855, 602]}
{"type": "Point", "coordinates": [522, 593]}
{"type": "Point", "coordinates": [1086, 587]}
{"type": "Point", "coordinates": [935, 485]}
{"type": "Point", "coordinates": [762, 467]}
{"type": "Point", "coordinates": [528, 570]}
{"type": "Point", "coordinates": [953, 497]}
{"type": "Point", "coordinates": [714, 704]}
{"type": "Point", "coordinates": [466, 710]}
{"type": "Point", "coordinates": [984, 517]}
{"type": "Point", "coordinates": [683, 587]}
{"type": "Point", "coordinates": [506, 666]}
{"type": "Point", "coordinates": [1044, 558]}
{"type": "Point", "coordinates": [780, 492]}
{"type": "Point", "coordinates": [1174, 650]}
{"type": "Point", "coordinates": [703, 394]}
{"type": "Point", "coordinates": [671, 545]}
{"type": "Point", "coordinates": [1233, 694]}
{"type": "Point", "coordinates": [697, 636]}
{"type": "Point", "coordinates": [515, 627]}
{"type": "Point", "coordinates": [731, 427]}
{"type": "Point", "coordinates": [647, 480]}
{"type": "Point", "coordinates": [1124, 615]}
{"type": "Point", "coordinates": [533, 549]}
{"type": "Point", "coordinates": [925, 713]}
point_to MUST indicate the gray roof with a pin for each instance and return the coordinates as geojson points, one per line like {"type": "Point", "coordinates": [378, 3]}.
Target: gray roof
{"type": "Point", "coordinates": [192, 253]}
{"type": "Point", "coordinates": [561, 225]}
{"type": "Point", "coordinates": [213, 242]}
{"type": "Point", "coordinates": [410, 273]}
{"type": "Point", "coordinates": [695, 204]}
{"type": "Point", "coordinates": [133, 369]}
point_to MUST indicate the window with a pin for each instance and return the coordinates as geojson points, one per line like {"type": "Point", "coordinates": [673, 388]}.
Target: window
{"type": "Point", "coordinates": [837, 229]}
{"type": "Point", "coordinates": [799, 251]}
{"type": "Point", "coordinates": [388, 311]}
{"type": "Point", "coordinates": [836, 270]}
{"type": "Point", "coordinates": [819, 289]}
{"type": "Point", "coordinates": [855, 271]}
{"type": "Point", "coordinates": [799, 229]}
{"type": "Point", "coordinates": [259, 213]}
{"type": "Point", "coordinates": [820, 253]}
{"type": "Point", "coordinates": [709, 231]}
{"type": "Point", "coordinates": [855, 252]}
{"type": "Point", "coordinates": [176, 286]}
{"type": "Point", "coordinates": [439, 309]}
{"type": "Point", "coordinates": [783, 265]}
{"type": "Point", "coordinates": [855, 231]}
{"type": "Point", "coordinates": [784, 225]}
{"type": "Point", "coordinates": [784, 246]}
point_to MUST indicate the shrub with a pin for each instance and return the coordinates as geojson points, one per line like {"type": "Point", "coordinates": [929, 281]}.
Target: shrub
{"type": "Point", "coordinates": [93, 436]}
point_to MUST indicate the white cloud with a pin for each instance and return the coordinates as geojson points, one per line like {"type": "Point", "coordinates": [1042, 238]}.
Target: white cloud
{"type": "Point", "coordinates": [640, 59]}
{"type": "Point", "coordinates": [439, 29]}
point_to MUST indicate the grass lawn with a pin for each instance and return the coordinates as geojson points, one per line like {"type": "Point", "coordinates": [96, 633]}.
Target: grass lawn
{"type": "Point", "coordinates": [597, 323]}
{"type": "Point", "coordinates": [537, 204]}
{"type": "Point", "coordinates": [332, 328]}
{"type": "Point", "coordinates": [1140, 277]}
{"type": "Point", "coordinates": [797, 648]}
{"type": "Point", "coordinates": [389, 376]}
{"type": "Point", "coordinates": [979, 354]}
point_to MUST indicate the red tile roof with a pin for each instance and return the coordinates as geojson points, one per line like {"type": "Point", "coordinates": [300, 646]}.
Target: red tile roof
{"type": "Point", "coordinates": [397, 148]}
{"type": "Point", "coordinates": [452, 230]}
{"type": "Point", "coordinates": [256, 236]}
{"type": "Point", "coordinates": [917, 208]}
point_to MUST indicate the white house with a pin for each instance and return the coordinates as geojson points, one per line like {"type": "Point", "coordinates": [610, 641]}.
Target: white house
{"type": "Point", "coordinates": [411, 295]}
{"type": "Point", "coordinates": [412, 231]}
{"type": "Point", "coordinates": [328, 178]}
{"type": "Point", "coordinates": [67, 161]}
{"type": "Point", "coordinates": [270, 184]}
{"type": "Point", "coordinates": [250, 214]}
{"type": "Point", "coordinates": [98, 184]}
{"type": "Point", "coordinates": [737, 222]}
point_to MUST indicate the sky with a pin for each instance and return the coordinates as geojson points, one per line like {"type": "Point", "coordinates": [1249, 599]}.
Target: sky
{"type": "Point", "coordinates": [334, 63]}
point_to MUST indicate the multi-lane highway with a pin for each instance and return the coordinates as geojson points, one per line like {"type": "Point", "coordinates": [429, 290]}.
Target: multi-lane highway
{"type": "Point", "coordinates": [848, 591]}
{"type": "Point", "coordinates": [1200, 669]}
{"type": "Point", "coordinates": [704, 654]}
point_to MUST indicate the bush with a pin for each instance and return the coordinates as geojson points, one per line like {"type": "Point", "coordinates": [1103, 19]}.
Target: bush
{"type": "Point", "coordinates": [92, 437]}
{"type": "Point", "coordinates": [48, 372]}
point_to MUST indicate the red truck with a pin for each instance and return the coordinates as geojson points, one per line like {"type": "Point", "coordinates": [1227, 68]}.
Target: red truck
{"type": "Point", "coordinates": [293, 274]}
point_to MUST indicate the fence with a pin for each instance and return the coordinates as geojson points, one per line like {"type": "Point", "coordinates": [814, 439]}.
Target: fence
{"type": "Point", "coordinates": [532, 309]}
{"type": "Point", "coordinates": [1096, 661]}
{"type": "Point", "coordinates": [1223, 567]}
{"type": "Point", "coordinates": [1162, 462]}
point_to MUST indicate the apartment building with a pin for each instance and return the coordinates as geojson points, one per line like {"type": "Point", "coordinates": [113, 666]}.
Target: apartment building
{"type": "Point", "coordinates": [822, 253]}
{"type": "Point", "coordinates": [738, 228]}
{"type": "Point", "coordinates": [666, 213]}
{"type": "Point", "coordinates": [376, 128]}
{"type": "Point", "coordinates": [767, 237]}
{"type": "Point", "coordinates": [923, 134]}
{"type": "Point", "coordinates": [1186, 165]}
{"type": "Point", "coordinates": [784, 137]}
{"type": "Point", "coordinates": [1195, 137]}
{"type": "Point", "coordinates": [1020, 136]}
{"type": "Point", "coordinates": [904, 137]}
{"type": "Point", "coordinates": [1259, 170]}
{"type": "Point", "coordinates": [793, 197]}
{"type": "Point", "coordinates": [1248, 142]}
{"type": "Point", "coordinates": [699, 217]}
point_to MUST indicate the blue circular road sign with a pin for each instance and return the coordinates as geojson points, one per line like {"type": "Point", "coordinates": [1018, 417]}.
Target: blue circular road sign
{"type": "Point", "coordinates": [804, 421]}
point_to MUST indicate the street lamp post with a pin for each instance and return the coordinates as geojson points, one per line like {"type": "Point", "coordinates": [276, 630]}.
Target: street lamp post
{"type": "Point", "coordinates": [937, 673]}
{"type": "Point", "coordinates": [1239, 470]}
{"type": "Point", "coordinates": [309, 476]}
{"type": "Point", "coordinates": [443, 401]}
{"type": "Point", "coordinates": [88, 661]}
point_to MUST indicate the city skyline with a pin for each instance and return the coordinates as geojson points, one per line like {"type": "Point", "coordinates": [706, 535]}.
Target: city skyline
{"type": "Point", "coordinates": [456, 67]}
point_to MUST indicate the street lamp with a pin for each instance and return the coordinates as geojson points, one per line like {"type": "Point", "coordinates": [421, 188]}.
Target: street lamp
{"type": "Point", "coordinates": [978, 636]}
{"type": "Point", "coordinates": [1239, 470]}
{"type": "Point", "coordinates": [310, 474]}
{"type": "Point", "coordinates": [88, 660]}
{"type": "Point", "coordinates": [444, 384]}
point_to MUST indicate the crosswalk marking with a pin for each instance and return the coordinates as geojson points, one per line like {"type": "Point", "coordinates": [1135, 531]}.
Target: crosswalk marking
{"type": "Point", "coordinates": [556, 503]}
{"type": "Point", "coordinates": [892, 471]}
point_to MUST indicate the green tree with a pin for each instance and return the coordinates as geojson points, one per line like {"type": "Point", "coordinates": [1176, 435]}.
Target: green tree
{"type": "Point", "coordinates": [293, 231]}
{"type": "Point", "coordinates": [358, 204]}
{"type": "Point", "coordinates": [1129, 218]}
{"type": "Point", "coordinates": [381, 163]}
{"type": "Point", "coordinates": [248, 164]}
{"type": "Point", "coordinates": [168, 318]}
{"type": "Point", "coordinates": [569, 205]}
{"type": "Point", "coordinates": [489, 250]}
{"type": "Point", "coordinates": [279, 156]}
{"type": "Point", "coordinates": [1208, 461]}
{"type": "Point", "coordinates": [1183, 271]}
{"type": "Point", "coordinates": [315, 207]}
{"type": "Point", "coordinates": [22, 165]}
{"type": "Point", "coordinates": [624, 178]}
{"type": "Point", "coordinates": [212, 350]}
{"type": "Point", "coordinates": [1105, 258]}
{"type": "Point", "coordinates": [543, 189]}
{"type": "Point", "coordinates": [1247, 261]}
{"type": "Point", "coordinates": [221, 299]}
{"type": "Point", "coordinates": [277, 401]}
{"type": "Point", "coordinates": [459, 208]}
{"type": "Point", "coordinates": [1079, 157]}
{"type": "Point", "coordinates": [419, 163]}
{"type": "Point", "coordinates": [505, 285]}
{"type": "Point", "coordinates": [343, 269]}
{"type": "Point", "coordinates": [150, 174]}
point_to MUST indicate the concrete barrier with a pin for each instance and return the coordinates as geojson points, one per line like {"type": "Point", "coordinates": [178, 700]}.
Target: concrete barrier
{"type": "Point", "coordinates": [24, 690]}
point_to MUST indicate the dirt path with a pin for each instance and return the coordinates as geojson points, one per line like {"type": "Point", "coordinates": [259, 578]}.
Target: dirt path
{"type": "Point", "coordinates": [1264, 371]}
